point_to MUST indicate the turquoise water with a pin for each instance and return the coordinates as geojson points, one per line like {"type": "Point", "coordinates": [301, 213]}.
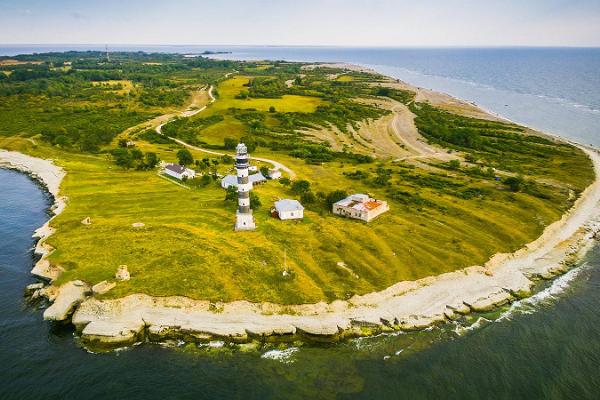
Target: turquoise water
{"type": "Point", "coordinates": [546, 347]}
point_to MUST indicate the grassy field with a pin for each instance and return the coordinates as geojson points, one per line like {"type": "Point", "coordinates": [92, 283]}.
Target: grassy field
{"type": "Point", "coordinates": [188, 246]}
{"type": "Point", "coordinates": [442, 217]}
{"type": "Point", "coordinates": [229, 89]}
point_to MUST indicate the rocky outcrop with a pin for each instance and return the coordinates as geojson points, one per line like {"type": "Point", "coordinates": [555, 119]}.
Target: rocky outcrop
{"type": "Point", "coordinates": [103, 287]}
{"type": "Point", "coordinates": [68, 297]}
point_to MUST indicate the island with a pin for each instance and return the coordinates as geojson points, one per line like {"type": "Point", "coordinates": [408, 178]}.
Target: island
{"type": "Point", "coordinates": [370, 205]}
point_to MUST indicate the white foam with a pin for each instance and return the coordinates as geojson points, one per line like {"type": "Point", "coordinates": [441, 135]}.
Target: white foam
{"type": "Point", "coordinates": [284, 356]}
{"type": "Point", "coordinates": [528, 305]}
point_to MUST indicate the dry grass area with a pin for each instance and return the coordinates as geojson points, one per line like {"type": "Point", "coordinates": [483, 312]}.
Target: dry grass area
{"type": "Point", "coordinates": [17, 62]}
{"type": "Point", "coordinates": [117, 86]}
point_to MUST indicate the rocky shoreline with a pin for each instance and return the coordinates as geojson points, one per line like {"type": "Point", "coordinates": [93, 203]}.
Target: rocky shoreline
{"type": "Point", "coordinates": [406, 306]}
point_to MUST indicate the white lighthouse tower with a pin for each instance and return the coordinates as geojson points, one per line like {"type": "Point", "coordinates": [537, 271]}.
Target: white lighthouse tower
{"type": "Point", "coordinates": [244, 220]}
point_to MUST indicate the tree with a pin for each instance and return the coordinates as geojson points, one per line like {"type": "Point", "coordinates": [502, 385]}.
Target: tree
{"type": "Point", "coordinates": [285, 181]}
{"type": "Point", "coordinates": [264, 170]}
{"type": "Point", "coordinates": [227, 159]}
{"type": "Point", "coordinates": [137, 154]}
{"type": "Point", "coordinates": [122, 142]}
{"type": "Point", "coordinates": [301, 186]}
{"type": "Point", "coordinates": [122, 157]}
{"type": "Point", "coordinates": [185, 157]}
{"type": "Point", "coordinates": [308, 198]}
{"type": "Point", "coordinates": [335, 196]}
{"type": "Point", "coordinates": [254, 201]}
{"type": "Point", "coordinates": [151, 160]}
{"type": "Point", "coordinates": [231, 193]}
{"type": "Point", "coordinates": [454, 164]}
{"type": "Point", "coordinates": [61, 141]}
{"type": "Point", "coordinates": [205, 180]}
{"type": "Point", "coordinates": [229, 143]}
{"type": "Point", "coordinates": [514, 183]}
{"type": "Point", "coordinates": [272, 109]}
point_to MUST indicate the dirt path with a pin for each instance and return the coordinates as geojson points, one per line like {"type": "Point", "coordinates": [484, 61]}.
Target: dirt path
{"type": "Point", "coordinates": [404, 128]}
{"type": "Point", "coordinates": [189, 112]}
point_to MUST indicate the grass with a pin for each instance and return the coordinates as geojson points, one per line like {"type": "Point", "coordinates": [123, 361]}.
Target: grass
{"type": "Point", "coordinates": [188, 246]}
{"type": "Point", "coordinates": [440, 219]}
{"type": "Point", "coordinates": [232, 87]}
{"type": "Point", "coordinates": [125, 85]}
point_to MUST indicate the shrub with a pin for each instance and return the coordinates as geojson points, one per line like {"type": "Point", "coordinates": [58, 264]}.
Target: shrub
{"type": "Point", "coordinates": [335, 196]}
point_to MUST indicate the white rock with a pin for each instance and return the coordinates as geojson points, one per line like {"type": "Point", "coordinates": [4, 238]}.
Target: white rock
{"type": "Point", "coordinates": [103, 287]}
{"type": "Point", "coordinates": [69, 296]}
{"type": "Point", "coordinates": [122, 273]}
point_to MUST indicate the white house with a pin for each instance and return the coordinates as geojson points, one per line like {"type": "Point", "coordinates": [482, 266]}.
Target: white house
{"type": "Point", "coordinates": [274, 173]}
{"type": "Point", "coordinates": [231, 180]}
{"type": "Point", "coordinates": [360, 206]}
{"type": "Point", "coordinates": [288, 209]}
{"type": "Point", "coordinates": [179, 171]}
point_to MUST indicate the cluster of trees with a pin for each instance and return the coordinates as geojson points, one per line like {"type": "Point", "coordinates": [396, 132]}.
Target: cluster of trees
{"type": "Point", "coordinates": [403, 96]}
{"type": "Point", "coordinates": [134, 158]}
{"type": "Point", "coordinates": [266, 87]}
{"type": "Point", "coordinates": [188, 129]}
{"type": "Point", "coordinates": [86, 130]}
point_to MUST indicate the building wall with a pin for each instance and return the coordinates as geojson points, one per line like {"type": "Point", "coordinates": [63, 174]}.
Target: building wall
{"type": "Point", "coordinates": [362, 215]}
{"type": "Point", "coordinates": [172, 173]}
{"type": "Point", "coordinates": [296, 214]}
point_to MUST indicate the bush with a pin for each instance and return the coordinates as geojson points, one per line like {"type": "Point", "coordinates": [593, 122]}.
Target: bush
{"type": "Point", "coordinates": [229, 143]}
{"type": "Point", "coordinates": [301, 186]}
{"type": "Point", "coordinates": [308, 198]}
{"type": "Point", "coordinates": [514, 183]}
{"type": "Point", "coordinates": [335, 196]}
{"type": "Point", "coordinates": [254, 201]}
{"type": "Point", "coordinates": [185, 157]}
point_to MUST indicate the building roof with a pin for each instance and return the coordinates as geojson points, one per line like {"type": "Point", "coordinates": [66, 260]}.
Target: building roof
{"type": "Point", "coordinates": [288, 205]}
{"type": "Point", "coordinates": [231, 180]}
{"type": "Point", "coordinates": [360, 202]}
{"type": "Point", "coordinates": [175, 168]}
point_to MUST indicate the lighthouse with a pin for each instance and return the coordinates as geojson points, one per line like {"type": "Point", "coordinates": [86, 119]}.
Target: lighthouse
{"type": "Point", "coordinates": [244, 220]}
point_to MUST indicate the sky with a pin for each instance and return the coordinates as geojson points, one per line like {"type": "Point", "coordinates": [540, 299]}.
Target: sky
{"type": "Point", "coordinates": [303, 22]}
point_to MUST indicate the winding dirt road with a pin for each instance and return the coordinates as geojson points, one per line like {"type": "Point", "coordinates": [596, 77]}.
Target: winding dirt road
{"type": "Point", "coordinates": [188, 113]}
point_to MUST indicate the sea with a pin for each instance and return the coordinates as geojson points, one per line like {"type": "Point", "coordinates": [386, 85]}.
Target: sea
{"type": "Point", "coordinates": [547, 346]}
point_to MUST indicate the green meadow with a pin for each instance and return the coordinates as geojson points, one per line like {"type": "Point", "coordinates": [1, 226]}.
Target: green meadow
{"type": "Point", "coordinates": [442, 217]}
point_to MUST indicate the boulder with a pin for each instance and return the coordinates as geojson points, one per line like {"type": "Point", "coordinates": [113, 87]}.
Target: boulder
{"type": "Point", "coordinates": [32, 288]}
{"type": "Point", "coordinates": [122, 273]}
{"type": "Point", "coordinates": [138, 224]}
{"type": "Point", "coordinates": [112, 333]}
{"type": "Point", "coordinates": [43, 269]}
{"type": "Point", "coordinates": [86, 221]}
{"type": "Point", "coordinates": [103, 287]}
{"type": "Point", "coordinates": [69, 296]}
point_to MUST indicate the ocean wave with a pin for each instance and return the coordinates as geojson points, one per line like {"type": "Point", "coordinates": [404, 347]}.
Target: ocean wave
{"type": "Point", "coordinates": [284, 356]}
{"type": "Point", "coordinates": [550, 294]}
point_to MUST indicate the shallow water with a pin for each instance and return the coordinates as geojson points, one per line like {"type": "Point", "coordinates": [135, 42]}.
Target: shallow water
{"type": "Point", "coordinates": [547, 346]}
